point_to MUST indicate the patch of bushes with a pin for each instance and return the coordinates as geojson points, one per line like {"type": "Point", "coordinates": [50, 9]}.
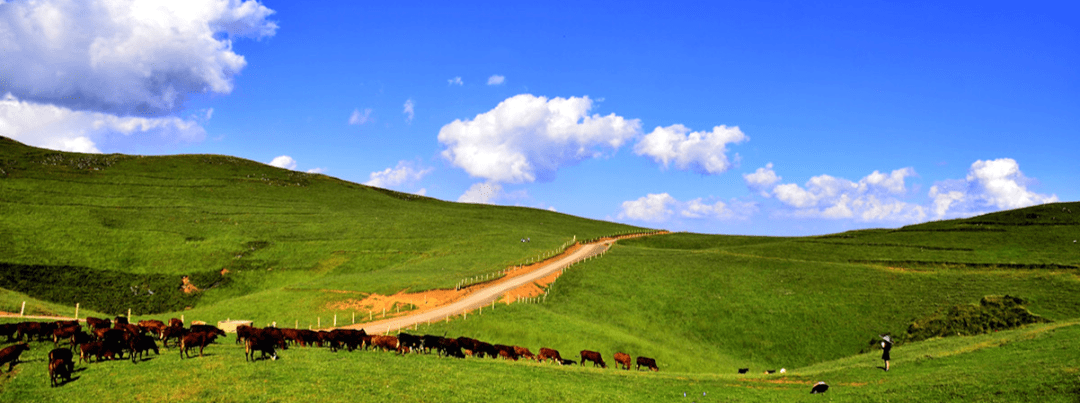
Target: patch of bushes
{"type": "Point", "coordinates": [993, 313]}
{"type": "Point", "coordinates": [105, 291]}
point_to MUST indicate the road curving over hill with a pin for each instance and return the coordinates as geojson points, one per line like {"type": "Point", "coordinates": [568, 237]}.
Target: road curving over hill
{"type": "Point", "coordinates": [486, 295]}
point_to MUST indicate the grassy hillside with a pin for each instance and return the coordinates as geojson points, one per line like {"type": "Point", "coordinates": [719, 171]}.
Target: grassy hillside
{"type": "Point", "coordinates": [107, 230]}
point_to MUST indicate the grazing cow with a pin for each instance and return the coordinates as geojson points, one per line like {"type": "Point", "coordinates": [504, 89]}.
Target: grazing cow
{"type": "Point", "coordinates": [486, 349]}
{"type": "Point", "coordinates": [349, 337]}
{"type": "Point", "coordinates": [469, 344]}
{"type": "Point", "coordinates": [261, 342]}
{"type": "Point", "coordinates": [450, 348]}
{"type": "Point", "coordinates": [98, 323]}
{"type": "Point", "coordinates": [193, 339]}
{"type": "Point", "coordinates": [547, 353]}
{"type": "Point", "coordinates": [120, 319]}
{"type": "Point", "coordinates": [506, 352]}
{"type": "Point", "coordinates": [64, 355]}
{"type": "Point", "coordinates": [132, 329]}
{"type": "Point", "coordinates": [819, 387]}
{"type": "Point", "coordinates": [176, 322]}
{"type": "Point", "coordinates": [431, 342]}
{"type": "Point", "coordinates": [152, 326]}
{"type": "Point", "coordinates": [524, 352]}
{"type": "Point", "coordinates": [141, 344]}
{"type": "Point", "coordinates": [647, 363]}
{"type": "Point", "coordinates": [11, 355]}
{"type": "Point", "coordinates": [94, 348]}
{"type": "Point", "coordinates": [744, 370]}
{"type": "Point", "coordinates": [388, 343]}
{"type": "Point", "coordinates": [172, 332]}
{"type": "Point", "coordinates": [409, 341]}
{"type": "Point", "coordinates": [622, 360]}
{"type": "Point", "coordinates": [118, 339]}
{"type": "Point", "coordinates": [31, 329]}
{"type": "Point", "coordinates": [243, 332]}
{"type": "Point", "coordinates": [65, 333]}
{"type": "Point", "coordinates": [59, 369]}
{"type": "Point", "coordinates": [9, 330]}
{"type": "Point", "coordinates": [78, 338]}
{"type": "Point", "coordinates": [308, 338]}
{"type": "Point", "coordinates": [206, 329]}
{"type": "Point", "coordinates": [593, 356]}
{"type": "Point", "coordinates": [567, 362]}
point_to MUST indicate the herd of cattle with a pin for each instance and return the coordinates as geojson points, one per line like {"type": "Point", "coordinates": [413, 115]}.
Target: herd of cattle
{"type": "Point", "coordinates": [111, 339]}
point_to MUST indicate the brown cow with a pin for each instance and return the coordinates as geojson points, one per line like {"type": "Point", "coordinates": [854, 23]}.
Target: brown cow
{"type": "Point", "coordinates": [622, 360]}
{"type": "Point", "coordinates": [647, 362]}
{"type": "Point", "coordinates": [506, 352]}
{"type": "Point", "coordinates": [593, 356]}
{"type": "Point", "coordinates": [200, 339]}
{"type": "Point", "coordinates": [546, 353]}
{"type": "Point", "coordinates": [176, 322]}
{"type": "Point", "coordinates": [9, 330]}
{"type": "Point", "coordinates": [143, 344]}
{"type": "Point", "coordinates": [94, 348]}
{"type": "Point", "coordinates": [524, 352]}
{"type": "Point", "coordinates": [11, 355]}
{"type": "Point", "coordinates": [65, 333]}
{"type": "Point", "coordinates": [262, 342]}
{"type": "Point", "coordinates": [172, 332]}
{"type": "Point", "coordinates": [31, 329]}
{"type": "Point", "coordinates": [59, 369]}
{"type": "Point", "coordinates": [97, 323]}
{"type": "Point", "coordinates": [388, 343]}
{"type": "Point", "coordinates": [152, 326]}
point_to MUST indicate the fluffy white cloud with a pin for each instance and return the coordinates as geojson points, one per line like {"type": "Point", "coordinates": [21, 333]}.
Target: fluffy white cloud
{"type": "Point", "coordinates": [284, 161]}
{"type": "Point", "coordinates": [526, 138]}
{"type": "Point", "coordinates": [481, 192]}
{"type": "Point", "coordinates": [405, 173]}
{"type": "Point", "coordinates": [872, 198]}
{"type": "Point", "coordinates": [59, 128]}
{"type": "Point", "coordinates": [124, 57]}
{"type": "Point", "coordinates": [359, 118]}
{"type": "Point", "coordinates": [989, 186]}
{"type": "Point", "coordinates": [456, 81]}
{"type": "Point", "coordinates": [496, 80]}
{"type": "Point", "coordinates": [409, 111]}
{"type": "Point", "coordinates": [762, 179]}
{"type": "Point", "coordinates": [661, 207]}
{"type": "Point", "coordinates": [704, 152]}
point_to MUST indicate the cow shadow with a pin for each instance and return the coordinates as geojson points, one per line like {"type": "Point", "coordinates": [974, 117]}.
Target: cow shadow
{"type": "Point", "coordinates": [63, 382]}
{"type": "Point", "coordinates": [882, 368]}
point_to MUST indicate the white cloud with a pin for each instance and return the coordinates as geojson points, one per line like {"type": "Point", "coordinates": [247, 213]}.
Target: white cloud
{"type": "Point", "coordinates": [496, 80]}
{"type": "Point", "coordinates": [481, 192]}
{"type": "Point", "coordinates": [409, 111]}
{"type": "Point", "coordinates": [359, 118]}
{"type": "Point", "coordinates": [60, 128]}
{"type": "Point", "coordinates": [872, 198]}
{"type": "Point", "coordinates": [124, 57]}
{"type": "Point", "coordinates": [455, 81]}
{"type": "Point", "coordinates": [703, 152]}
{"type": "Point", "coordinates": [661, 207]}
{"type": "Point", "coordinates": [405, 173]}
{"type": "Point", "coordinates": [762, 179]}
{"type": "Point", "coordinates": [284, 161]}
{"type": "Point", "coordinates": [526, 138]}
{"type": "Point", "coordinates": [421, 192]}
{"type": "Point", "coordinates": [316, 171]}
{"type": "Point", "coordinates": [989, 186]}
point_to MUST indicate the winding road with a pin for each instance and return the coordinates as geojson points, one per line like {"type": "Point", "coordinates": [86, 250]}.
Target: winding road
{"type": "Point", "coordinates": [486, 295]}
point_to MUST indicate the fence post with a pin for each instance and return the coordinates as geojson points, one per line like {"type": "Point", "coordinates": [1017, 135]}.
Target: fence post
{"type": "Point", "coordinates": [76, 311]}
{"type": "Point", "coordinates": [335, 320]}
{"type": "Point", "coordinates": [22, 311]}
{"type": "Point", "coordinates": [129, 315]}
{"type": "Point", "coordinates": [319, 320]}
{"type": "Point", "coordinates": [354, 317]}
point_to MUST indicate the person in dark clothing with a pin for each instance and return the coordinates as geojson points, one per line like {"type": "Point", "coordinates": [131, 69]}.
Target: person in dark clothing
{"type": "Point", "coordinates": [886, 346]}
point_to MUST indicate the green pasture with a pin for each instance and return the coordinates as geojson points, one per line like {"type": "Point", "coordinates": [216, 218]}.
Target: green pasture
{"type": "Point", "coordinates": [107, 230]}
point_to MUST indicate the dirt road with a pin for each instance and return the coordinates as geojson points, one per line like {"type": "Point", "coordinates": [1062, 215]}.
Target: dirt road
{"type": "Point", "coordinates": [486, 295]}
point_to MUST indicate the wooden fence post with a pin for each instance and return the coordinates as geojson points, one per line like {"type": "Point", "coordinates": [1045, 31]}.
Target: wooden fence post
{"type": "Point", "coordinates": [335, 320]}
{"type": "Point", "coordinates": [22, 311]}
{"type": "Point", "coordinates": [76, 311]}
{"type": "Point", "coordinates": [354, 317]}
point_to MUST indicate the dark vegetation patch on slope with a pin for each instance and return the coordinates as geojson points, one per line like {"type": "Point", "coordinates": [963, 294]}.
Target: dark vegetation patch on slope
{"type": "Point", "coordinates": [106, 291]}
{"type": "Point", "coordinates": [993, 313]}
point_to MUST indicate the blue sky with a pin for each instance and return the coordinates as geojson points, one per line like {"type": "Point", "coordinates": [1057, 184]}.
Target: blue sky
{"type": "Point", "coordinates": [773, 118]}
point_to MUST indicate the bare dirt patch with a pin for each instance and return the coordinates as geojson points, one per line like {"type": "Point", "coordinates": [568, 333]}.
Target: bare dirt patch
{"type": "Point", "coordinates": [378, 303]}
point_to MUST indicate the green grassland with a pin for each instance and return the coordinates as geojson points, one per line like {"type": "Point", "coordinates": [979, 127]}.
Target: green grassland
{"type": "Point", "coordinates": [701, 305]}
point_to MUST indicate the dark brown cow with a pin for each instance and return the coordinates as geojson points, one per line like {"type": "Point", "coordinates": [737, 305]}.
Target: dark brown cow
{"type": "Point", "coordinates": [206, 329]}
{"type": "Point", "coordinates": [65, 355]}
{"type": "Point", "coordinates": [450, 348]}
{"type": "Point", "coordinates": [94, 348]}
{"type": "Point", "coordinates": [469, 345]}
{"type": "Point", "coordinates": [593, 356]}
{"type": "Point", "coordinates": [547, 353]}
{"type": "Point", "coordinates": [11, 355]}
{"type": "Point", "coordinates": [98, 323]}
{"type": "Point", "coordinates": [65, 333]}
{"type": "Point", "coordinates": [59, 369]}
{"type": "Point", "coordinates": [142, 344]}
{"type": "Point", "coordinates": [176, 322]}
{"type": "Point", "coordinates": [647, 363]}
{"type": "Point", "coordinates": [622, 360]}
{"type": "Point", "coordinates": [243, 332]}
{"type": "Point", "coordinates": [262, 342]}
{"type": "Point", "coordinates": [9, 330]}
{"type": "Point", "coordinates": [506, 351]}
{"type": "Point", "coordinates": [410, 342]}
{"type": "Point", "coordinates": [172, 332]}
{"type": "Point", "coordinates": [193, 339]}
{"type": "Point", "coordinates": [120, 319]}
{"type": "Point", "coordinates": [30, 329]}
{"type": "Point", "coordinates": [568, 362]}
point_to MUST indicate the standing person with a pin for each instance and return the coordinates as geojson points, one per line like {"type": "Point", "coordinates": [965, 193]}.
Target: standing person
{"type": "Point", "coordinates": [886, 346]}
